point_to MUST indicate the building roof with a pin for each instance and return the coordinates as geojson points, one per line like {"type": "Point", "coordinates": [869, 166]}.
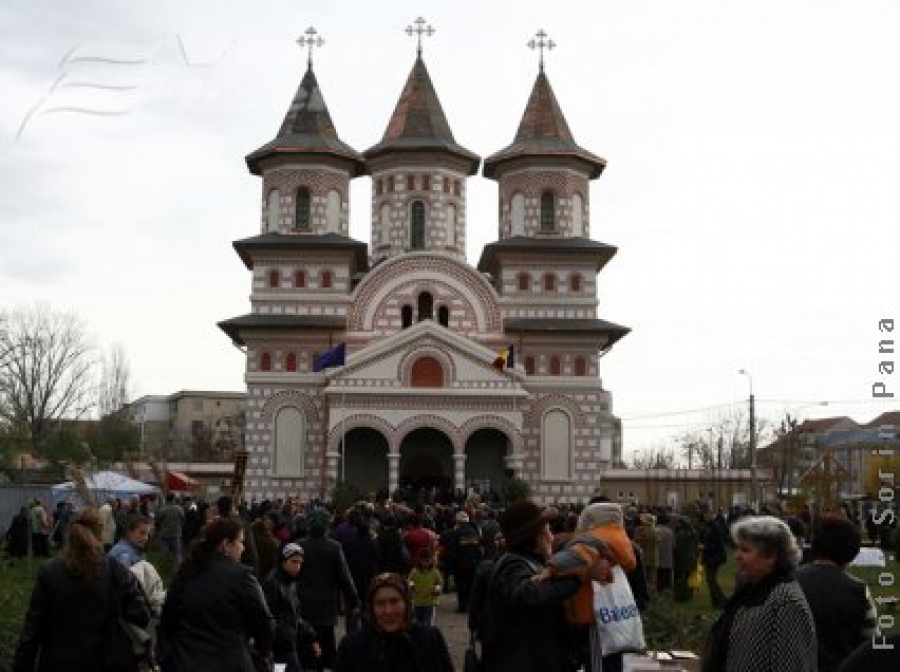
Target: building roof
{"type": "Point", "coordinates": [236, 327]}
{"type": "Point", "coordinates": [891, 418]}
{"type": "Point", "coordinates": [612, 331]}
{"type": "Point", "coordinates": [307, 129]}
{"type": "Point", "coordinates": [419, 123]}
{"type": "Point", "coordinates": [824, 424]}
{"type": "Point", "coordinates": [543, 132]}
{"type": "Point", "coordinates": [279, 241]}
{"type": "Point", "coordinates": [601, 252]}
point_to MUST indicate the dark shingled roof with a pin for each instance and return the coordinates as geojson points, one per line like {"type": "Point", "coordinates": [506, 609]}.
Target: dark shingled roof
{"type": "Point", "coordinates": [567, 324]}
{"type": "Point", "coordinates": [307, 129]}
{"type": "Point", "coordinates": [545, 246]}
{"type": "Point", "coordinates": [260, 322]}
{"type": "Point", "coordinates": [419, 124]}
{"type": "Point", "coordinates": [281, 241]}
{"type": "Point", "coordinates": [543, 132]}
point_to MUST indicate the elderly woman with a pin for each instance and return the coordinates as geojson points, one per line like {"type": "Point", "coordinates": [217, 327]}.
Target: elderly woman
{"type": "Point", "coordinates": [389, 641]}
{"type": "Point", "coordinates": [767, 625]}
{"type": "Point", "coordinates": [527, 625]}
{"type": "Point", "coordinates": [841, 604]}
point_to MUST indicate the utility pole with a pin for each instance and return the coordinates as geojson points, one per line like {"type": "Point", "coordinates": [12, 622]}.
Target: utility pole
{"type": "Point", "coordinates": [755, 482]}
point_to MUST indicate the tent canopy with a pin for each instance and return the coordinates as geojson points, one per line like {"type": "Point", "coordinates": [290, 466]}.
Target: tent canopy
{"type": "Point", "coordinates": [103, 484]}
{"type": "Point", "coordinates": [179, 481]}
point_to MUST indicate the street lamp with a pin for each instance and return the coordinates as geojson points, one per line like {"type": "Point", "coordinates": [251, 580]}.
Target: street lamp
{"type": "Point", "coordinates": [755, 481]}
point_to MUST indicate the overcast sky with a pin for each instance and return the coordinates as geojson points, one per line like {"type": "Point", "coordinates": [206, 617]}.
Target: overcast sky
{"type": "Point", "coordinates": [752, 186]}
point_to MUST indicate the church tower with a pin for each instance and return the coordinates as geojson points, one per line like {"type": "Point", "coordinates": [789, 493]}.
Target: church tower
{"type": "Point", "coordinates": [419, 174]}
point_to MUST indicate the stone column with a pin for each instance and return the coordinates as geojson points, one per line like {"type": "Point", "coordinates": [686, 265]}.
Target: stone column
{"type": "Point", "coordinates": [459, 471]}
{"type": "Point", "coordinates": [393, 472]}
{"type": "Point", "coordinates": [332, 461]}
{"type": "Point", "coordinates": [516, 463]}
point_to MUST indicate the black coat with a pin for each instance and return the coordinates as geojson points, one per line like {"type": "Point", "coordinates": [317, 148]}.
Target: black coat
{"type": "Point", "coordinates": [208, 619]}
{"type": "Point", "coordinates": [362, 556]}
{"type": "Point", "coordinates": [324, 576]}
{"type": "Point", "coordinates": [422, 648]}
{"type": "Point", "coordinates": [280, 589]}
{"type": "Point", "coordinates": [529, 631]}
{"type": "Point", "coordinates": [66, 622]}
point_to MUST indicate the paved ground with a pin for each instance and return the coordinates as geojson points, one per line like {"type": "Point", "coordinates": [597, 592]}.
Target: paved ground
{"type": "Point", "coordinates": [454, 628]}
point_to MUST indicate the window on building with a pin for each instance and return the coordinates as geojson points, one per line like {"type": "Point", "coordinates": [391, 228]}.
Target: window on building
{"type": "Point", "coordinates": [426, 372]}
{"type": "Point", "coordinates": [517, 215]}
{"type": "Point", "coordinates": [426, 182]}
{"type": "Point", "coordinates": [273, 211]}
{"type": "Point", "coordinates": [406, 316]}
{"type": "Point", "coordinates": [556, 445]}
{"type": "Point", "coordinates": [444, 316]}
{"type": "Point", "coordinates": [274, 279]}
{"type": "Point", "coordinates": [549, 282]}
{"type": "Point", "coordinates": [555, 367]}
{"type": "Point", "coordinates": [289, 437]}
{"type": "Point", "coordinates": [410, 182]}
{"type": "Point", "coordinates": [577, 215]}
{"type": "Point", "coordinates": [580, 366]}
{"type": "Point", "coordinates": [390, 183]}
{"type": "Point", "coordinates": [575, 283]}
{"type": "Point", "coordinates": [524, 282]}
{"type": "Point", "coordinates": [379, 186]}
{"type": "Point", "coordinates": [300, 279]}
{"type": "Point", "coordinates": [333, 212]}
{"type": "Point", "coordinates": [529, 365]}
{"type": "Point", "coordinates": [548, 212]}
{"type": "Point", "coordinates": [426, 306]}
{"type": "Point", "coordinates": [304, 207]}
{"type": "Point", "coordinates": [457, 188]}
{"type": "Point", "coordinates": [446, 184]}
{"type": "Point", "coordinates": [265, 362]}
{"type": "Point", "coordinates": [327, 279]}
{"type": "Point", "coordinates": [417, 226]}
{"type": "Point", "coordinates": [290, 363]}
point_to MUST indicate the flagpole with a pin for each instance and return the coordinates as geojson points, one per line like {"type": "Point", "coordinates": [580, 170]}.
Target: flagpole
{"type": "Point", "coordinates": [343, 437]}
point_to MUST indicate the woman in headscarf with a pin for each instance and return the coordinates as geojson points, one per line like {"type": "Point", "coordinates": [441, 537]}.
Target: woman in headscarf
{"type": "Point", "coordinates": [77, 601]}
{"type": "Point", "coordinates": [767, 625]}
{"type": "Point", "coordinates": [389, 641]}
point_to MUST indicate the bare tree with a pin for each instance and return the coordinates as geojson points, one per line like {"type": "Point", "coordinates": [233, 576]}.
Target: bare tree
{"type": "Point", "coordinates": [655, 458]}
{"type": "Point", "coordinates": [46, 372]}
{"type": "Point", "coordinates": [114, 390]}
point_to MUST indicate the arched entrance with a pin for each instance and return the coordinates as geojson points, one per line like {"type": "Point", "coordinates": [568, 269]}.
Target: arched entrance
{"type": "Point", "coordinates": [485, 467]}
{"type": "Point", "coordinates": [426, 460]}
{"type": "Point", "coordinates": [365, 461]}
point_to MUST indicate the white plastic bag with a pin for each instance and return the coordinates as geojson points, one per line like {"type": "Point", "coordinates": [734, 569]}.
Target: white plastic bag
{"type": "Point", "coordinates": [619, 627]}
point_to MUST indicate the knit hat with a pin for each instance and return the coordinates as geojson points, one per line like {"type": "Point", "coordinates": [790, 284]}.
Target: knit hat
{"type": "Point", "coordinates": [601, 513]}
{"type": "Point", "coordinates": [289, 550]}
{"type": "Point", "coordinates": [521, 522]}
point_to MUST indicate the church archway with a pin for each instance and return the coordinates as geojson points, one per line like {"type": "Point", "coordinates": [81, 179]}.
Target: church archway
{"type": "Point", "coordinates": [485, 466]}
{"type": "Point", "coordinates": [365, 460]}
{"type": "Point", "coordinates": [426, 460]}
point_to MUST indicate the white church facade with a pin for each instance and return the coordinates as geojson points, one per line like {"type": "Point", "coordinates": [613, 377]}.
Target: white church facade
{"type": "Point", "coordinates": [413, 396]}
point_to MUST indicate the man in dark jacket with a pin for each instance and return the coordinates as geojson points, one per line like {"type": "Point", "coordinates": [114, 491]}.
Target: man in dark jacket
{"type": "Point", "coordinates": [463, 551]}
{"type": "Point", "coordinates": [280, 589]}
{"type": "Point", "coordinates": [325, 576]}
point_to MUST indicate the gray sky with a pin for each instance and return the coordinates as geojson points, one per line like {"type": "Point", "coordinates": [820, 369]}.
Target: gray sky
{"type": "Point", "coordinates": [752, 184]}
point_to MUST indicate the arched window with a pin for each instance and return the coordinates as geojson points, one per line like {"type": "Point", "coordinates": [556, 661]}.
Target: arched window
{"type": "Point", "coordinates": [265, 362]}
{"type": "Point", "coordinates": [289, 437]}
{"type": "Point", "coordinates": [417, 226]}
{"type": "Point", "coordinates": [333, 212]}
{"type": "Point", "coordinates": [390, 183]}
{"type": "Point", "coordinates": [327, 279]}
{"type": "Point", "coordinates": [549, 282]}
{"type": "Point", "coordinates": [273, 211]}
{"type": "Point", "coordinates": [304, 205]}
{"type": "Point", "coordinates": [524, 282]}
{"type": "Point", "coordinates": [529, 365]}
{"type": "Point", "coordinates": [444, 316]}
{"type": "Point", "coordinates": [556, 445]}
{"type": "Point", "coordinates": [290, 364]}
{"type": "Point", "coordinates": [457, 188]}
{"type": "Point", "coordinates": [577, 215]}
{"type": "Point", "coordinates": [451, 226]}
{"type": "Point", "coordinates": [274, 279]}
{"type": "Point", "coordinates": [410, 182]}
{"type": "Point", "coordinates": [406, 316]}
{"type": "Point", "coordinates": [555, 368]}
{"type": "Point", "coordinates": [517, 215]}
{"type": "Point", "coordinates": [548, 212]}
{"type": "Point", "coordinates": [300, 279]}
{"type": "Point", "coordinates": [574, 283]}
{"type": "Point", "coordinates": [426, 372]}
{"type": "Point", "coordinates": [580, 366]}
{"type": "Point", "coordinates": [426, 307]}
{"type": "Point", "coordinates": [426, 183]}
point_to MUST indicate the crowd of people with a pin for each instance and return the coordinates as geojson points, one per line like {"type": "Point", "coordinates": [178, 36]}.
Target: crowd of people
{"type": "Point", "coordinates": [555, 589]}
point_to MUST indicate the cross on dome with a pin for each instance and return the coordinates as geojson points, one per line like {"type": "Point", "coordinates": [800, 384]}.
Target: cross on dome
{"type": "Point", "coordinates": [310, 38]}
{"type": "Point", "coordinates": [541, 41]}
{"type": "Point", "coordinates": [418, 31]}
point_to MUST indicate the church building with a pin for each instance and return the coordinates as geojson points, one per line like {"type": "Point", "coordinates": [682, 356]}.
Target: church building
{"type": "Point", "coordinates": [397, 362]}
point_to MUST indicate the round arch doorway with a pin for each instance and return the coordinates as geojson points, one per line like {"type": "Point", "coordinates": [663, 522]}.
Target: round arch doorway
{"type": "Point", "coordinates": [365, 462]}
{"type": "Point", "coordinates": [426, 461]}
{"type": "Point", "coordinates": [485, 453]}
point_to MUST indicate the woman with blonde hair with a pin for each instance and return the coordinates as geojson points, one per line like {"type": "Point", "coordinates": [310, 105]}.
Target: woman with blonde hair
{"type": "Point", "coordinates": [78, 599]}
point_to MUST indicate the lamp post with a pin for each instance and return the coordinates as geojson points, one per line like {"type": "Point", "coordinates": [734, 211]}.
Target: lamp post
{"type": "Point", "coordinates": [755, 481]}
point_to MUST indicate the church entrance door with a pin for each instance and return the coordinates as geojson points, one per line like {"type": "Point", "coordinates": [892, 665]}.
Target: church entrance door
{"type": "Point", "coordinates": [426, 461]}
{"type": "Point", "coordinates": [365, 461]}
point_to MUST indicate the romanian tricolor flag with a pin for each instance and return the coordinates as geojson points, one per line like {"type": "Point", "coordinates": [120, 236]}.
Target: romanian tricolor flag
{"type": "Point", "coordinates": [506, 359]}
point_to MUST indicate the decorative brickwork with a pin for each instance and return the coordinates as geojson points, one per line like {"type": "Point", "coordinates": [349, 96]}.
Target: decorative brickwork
{"type": "Point", "coordinates": [531, 184]}
{"type": "Point", "coordinates": [319, 182]}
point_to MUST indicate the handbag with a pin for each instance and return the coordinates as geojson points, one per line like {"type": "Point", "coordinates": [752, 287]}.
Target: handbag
{"type": "Point", "coordinates": [471, 662]}
{"type": "Point", "coordinates": [696, 578]}
{"type": "Point", "coordinates": [619, 627]}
